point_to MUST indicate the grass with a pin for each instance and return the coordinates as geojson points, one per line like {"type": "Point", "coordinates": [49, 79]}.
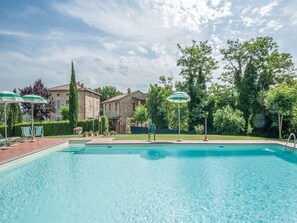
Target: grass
{"type": "Point", "coordinates": [184, 137]}
{"type": "Point", "coordinates": [168, 137]}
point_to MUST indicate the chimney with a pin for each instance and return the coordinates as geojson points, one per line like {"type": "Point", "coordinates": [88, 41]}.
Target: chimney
{"type": "Point", "coordinates": [128, 90]}
{"type": "Point", "coordinates": [82, 84]}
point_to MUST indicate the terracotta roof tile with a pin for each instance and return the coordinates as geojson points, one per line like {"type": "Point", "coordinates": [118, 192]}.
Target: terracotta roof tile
{"type": "Point", "coordinates": [65, 87]}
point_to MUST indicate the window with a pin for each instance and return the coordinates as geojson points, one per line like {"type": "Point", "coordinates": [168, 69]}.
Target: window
{"type": "Point", "coordinates": [58, 104]}
{"type": "Point", "coordinates": [105, 107]}
{"type": "Point", "coordinates": [116, 106]}
{"type": "Point", "coordinates": [133, 106]}
{"type": "Point", "coordinates": [58, 94]}
{"type": "Point", "coordinates": [67, 102]}
{"type": "Point", "coordinates": [109, 107]}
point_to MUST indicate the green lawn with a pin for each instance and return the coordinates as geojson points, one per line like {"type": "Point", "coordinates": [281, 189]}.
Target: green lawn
{"type": "Point", "coordinates": [184, 137]}
{"type": "Point", "coordinates": [168, 137]}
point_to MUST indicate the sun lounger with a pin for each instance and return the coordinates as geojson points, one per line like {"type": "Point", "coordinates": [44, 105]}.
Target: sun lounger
{"type": "Point", "coordinates": [26, 133]}
{"type": "Point", "coordinates": [38, 131]}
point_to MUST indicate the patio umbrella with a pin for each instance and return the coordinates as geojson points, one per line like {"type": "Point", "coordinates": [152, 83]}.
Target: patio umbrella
{"type": "Point", "coordinates": [8, 97]}
{"type": "Point", "coordinates": [34, 99]}
{"type": "Point", "coordinates": [179, 97]}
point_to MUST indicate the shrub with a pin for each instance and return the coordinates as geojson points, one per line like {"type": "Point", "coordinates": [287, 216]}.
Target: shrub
{"type": "Point", "coordinates": [49, 128]}
{"type": "Point", "coordinates": [228, 121]}
{"type": "Point", "coordinates": [199, 129]}
{"type": "Point", "coordinates": [65, 113]}
{"type": "Point", "coordinates": [104, 120]}
{"type": "Point", "coordinates": [88, 124]}
{"type": "Point", "coordinates": [90, 133]}
{"type": "Point", "coordinates": [52, 128]}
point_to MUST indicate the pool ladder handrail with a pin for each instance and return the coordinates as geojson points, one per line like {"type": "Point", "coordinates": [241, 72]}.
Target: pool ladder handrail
{"type": "Point", "coordinates": [294, 137]}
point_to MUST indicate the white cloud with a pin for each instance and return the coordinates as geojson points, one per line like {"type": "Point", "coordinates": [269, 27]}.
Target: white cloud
{"type": "Point", "coordinates": [131, 43]}
{"type": "Point", "coordinates": [147, 19]}
{"type": "Point", "coordinates": [275, 25]}
{"type": "Point", "coordinates": [16, 33]}
{"type": "Point", "coordinates": [265, 10]}
{"type": "Point", "coordinates": [110, 46]}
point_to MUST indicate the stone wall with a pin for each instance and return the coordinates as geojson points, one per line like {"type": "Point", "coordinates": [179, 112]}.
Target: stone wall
{"type": "Point", "coordinates": [109, 109]}
{"type": "Point", "coordinates": [85, 104]}
{"type": "Point", "coordinates": [92, 105]}
{"type": "Point", "coordinates": [126, 109]}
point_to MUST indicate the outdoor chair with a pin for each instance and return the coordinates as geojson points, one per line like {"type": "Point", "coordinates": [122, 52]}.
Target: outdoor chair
{"type": "Point", "coordinates": [152, 131]}
{"type": "Point", "coordinates": [9, 140]}
{"type": "Point", "coordinates": [26, 133]}
{"type": "Point", "coordinates": [38, 131]}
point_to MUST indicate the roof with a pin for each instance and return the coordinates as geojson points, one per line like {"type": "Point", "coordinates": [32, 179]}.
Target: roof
{"type": "Point", "coordinates": [80, 87]}
{"type": "Point", "coordinates": [119, 97]}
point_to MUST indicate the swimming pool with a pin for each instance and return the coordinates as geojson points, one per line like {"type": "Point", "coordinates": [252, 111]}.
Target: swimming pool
{"type": "Point", "coordinates": [153, 183]}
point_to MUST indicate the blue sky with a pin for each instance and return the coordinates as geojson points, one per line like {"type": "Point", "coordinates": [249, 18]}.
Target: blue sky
{"type": "Point", "coordinates": [127, 43]}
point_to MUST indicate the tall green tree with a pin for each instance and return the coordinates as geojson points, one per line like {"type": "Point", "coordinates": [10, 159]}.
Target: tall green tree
{"type": "Point", "coordinates": [281, 99]}
{"type": "Point", "coordinates": [197, 65]}
{"type": "Point", "coordinates": [252, 67]}
{"type": "Point", "coordinates": [248, 93]}
{"type": "Point", "coordinates": [73, 100]}
{"type": "Point", "coordinates": [158, 107]}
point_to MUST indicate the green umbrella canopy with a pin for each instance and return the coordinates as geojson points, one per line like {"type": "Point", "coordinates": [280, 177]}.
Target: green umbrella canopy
{"type": "Point", "coordinates": [34, 99]}
{"type": "Point", "coordinates": [9, 97]}
{"type": "Point", "coordinates": [179, 96]}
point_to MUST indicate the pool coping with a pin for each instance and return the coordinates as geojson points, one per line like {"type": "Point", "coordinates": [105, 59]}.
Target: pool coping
{"type": "Point", "coordinates": [16, 161]}
{"type": "Point", "coordinates": [94, 142]}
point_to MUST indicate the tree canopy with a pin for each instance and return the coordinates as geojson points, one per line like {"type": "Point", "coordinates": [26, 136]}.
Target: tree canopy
{"type": "Point", "coordinates": [281, 99]}
{"type": "Point", "coordinates": [197, 65]}
{"type": "Point", "coordinates": [107, 92]}
{"type": "Point", "coordinates": [41, 111]}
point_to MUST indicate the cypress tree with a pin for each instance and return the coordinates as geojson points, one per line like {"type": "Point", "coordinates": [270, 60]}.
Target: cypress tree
{"type": "Point", "coordinates": [73, 100]}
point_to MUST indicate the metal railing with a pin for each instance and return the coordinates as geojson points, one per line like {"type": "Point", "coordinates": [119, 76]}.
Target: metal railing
{"type": "Point", "coordinates": [294, 137]}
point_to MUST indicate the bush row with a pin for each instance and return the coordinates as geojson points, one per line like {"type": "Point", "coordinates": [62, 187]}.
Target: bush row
{"type": "Point", "coordinates": [54, 127]}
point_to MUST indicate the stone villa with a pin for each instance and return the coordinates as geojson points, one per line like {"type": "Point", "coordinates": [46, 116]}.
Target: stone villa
{"type": "Point", "coordinates": [121, 108]}
{"type": "Point", "coordinates": [88, 101]}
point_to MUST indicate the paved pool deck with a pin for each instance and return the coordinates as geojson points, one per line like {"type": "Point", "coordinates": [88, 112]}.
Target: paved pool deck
{"type": "Point", "coordinates": [23, 149]}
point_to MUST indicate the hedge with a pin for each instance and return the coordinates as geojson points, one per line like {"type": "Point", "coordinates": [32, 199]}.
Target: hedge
{"type": "Point", "coordinates": [55, 127]}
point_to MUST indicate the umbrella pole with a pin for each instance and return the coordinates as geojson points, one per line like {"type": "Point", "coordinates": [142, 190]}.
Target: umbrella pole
{"type": "Point", "coordinates": [179, 120]}
{"type": "Point", "coordinates": [5, 123]}
{"type": "Point", "coordinates": [32, 129]}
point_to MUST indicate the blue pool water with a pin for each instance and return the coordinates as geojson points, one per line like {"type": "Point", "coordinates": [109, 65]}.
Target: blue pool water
{"type": "Point", "coordinates": [153, 183]}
